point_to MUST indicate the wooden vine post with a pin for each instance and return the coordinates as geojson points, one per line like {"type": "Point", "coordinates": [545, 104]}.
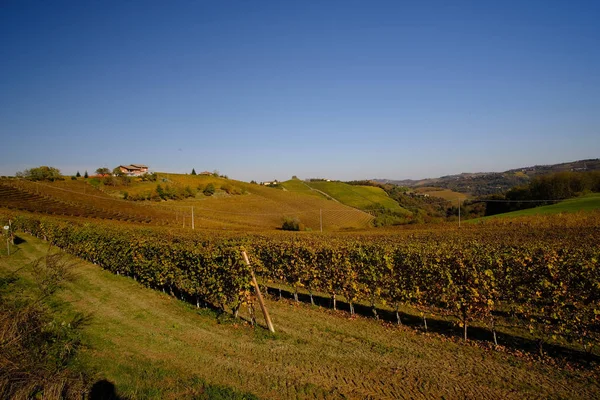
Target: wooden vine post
{"type": "Point", "coordinates": [259, 296]}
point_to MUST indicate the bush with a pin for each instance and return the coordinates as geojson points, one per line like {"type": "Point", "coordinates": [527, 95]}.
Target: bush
{"type": "Point", "coordinates": [149, 177]}
{"type": "Point", "coordinates": [292, 224]}
{"type": "Point", "coordinates": [209, 190]}
{"type": "Point", "coordinates": [39, 348]}
{"type": "Point", "coordinates": [230, 189]}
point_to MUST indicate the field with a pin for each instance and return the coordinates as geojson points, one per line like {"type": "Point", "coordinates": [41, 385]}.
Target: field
{"type": "Point", "coordinates": [506, 307]}
{"type": "Point", "coordinates": [361, 197]}
{"type": "Point", "coordinates": [585, 203]}
{"type": "Point", "coordinates": [151, 345]}
{"type": "Point", "coordinates": [256, 207]}
{"type": "Point", "coordinates": [261, 207]}
{"type": "Point", "coordinates": [445, 194]}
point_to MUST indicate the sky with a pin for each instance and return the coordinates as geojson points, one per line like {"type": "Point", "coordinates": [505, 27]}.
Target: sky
{"type": "Point", "coordinates": [265, 90]}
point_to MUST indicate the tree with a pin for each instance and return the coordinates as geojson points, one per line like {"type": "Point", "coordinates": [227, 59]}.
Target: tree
{"type": "Point", "coordinates": [103, 171]}
{"type": "Point", "coordinates": [117, 172]}
{"type": "Point", "coordinates": [85, 175]}
{"type": "Point", "coordinates": [193, 171]}
{"type": "Point", "coordinates": [43, 173]}
{"type": "Point", "coordinates": [78, 175]}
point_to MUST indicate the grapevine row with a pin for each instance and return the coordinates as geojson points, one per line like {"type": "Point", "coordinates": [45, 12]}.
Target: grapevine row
{"type": "Point", "coordinates": [550, 285]}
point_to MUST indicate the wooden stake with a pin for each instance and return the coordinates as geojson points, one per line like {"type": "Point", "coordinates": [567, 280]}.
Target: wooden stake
{"type": "Point", "coordinates": [259, 296]}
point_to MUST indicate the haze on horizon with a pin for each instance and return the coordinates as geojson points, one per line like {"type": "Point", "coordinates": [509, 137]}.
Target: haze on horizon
{"type": "Point", "coordinates": [263, 90]}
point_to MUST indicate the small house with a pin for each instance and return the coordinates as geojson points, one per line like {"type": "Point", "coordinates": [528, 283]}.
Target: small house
{"type": "Point", "coordinates": [133, 169]}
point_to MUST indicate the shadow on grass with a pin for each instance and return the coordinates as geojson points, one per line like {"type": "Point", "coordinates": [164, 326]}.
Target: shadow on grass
{"type": "Point", "coordinates": [448, 328]}
{"type": "Point", "coordinates": [104, 390]}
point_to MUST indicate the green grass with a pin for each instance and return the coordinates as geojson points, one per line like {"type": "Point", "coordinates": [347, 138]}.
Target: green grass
{"type": "Point", "coordinates": [588, 202]}
{"type": "Point", "coordinates": [298, 186]}
{"type": "Point", "coordinates": [361, 197]}
{"type": "Point", "coordinates": [153, 346]}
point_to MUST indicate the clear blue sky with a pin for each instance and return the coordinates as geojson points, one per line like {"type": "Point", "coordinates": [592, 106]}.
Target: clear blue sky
{"type": "Point", "coordinates": [262, 90]}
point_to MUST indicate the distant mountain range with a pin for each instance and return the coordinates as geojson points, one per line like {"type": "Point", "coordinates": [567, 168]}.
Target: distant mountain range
{"type": "Point", "coordinates": [484, 183]}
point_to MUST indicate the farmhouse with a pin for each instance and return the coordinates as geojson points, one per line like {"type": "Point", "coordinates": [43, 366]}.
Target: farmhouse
{"type": "Point", "coordinates": [133, 169]}
{"type": "Point", "coordinates": [206, 173]}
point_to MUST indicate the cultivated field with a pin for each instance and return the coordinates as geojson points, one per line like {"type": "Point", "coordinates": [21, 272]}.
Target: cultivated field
{"type": "Point", "coordinates": [151, 345]}
{"type": "Point", "coordinates": [361, 197]}
{"type": "Point", "coordinates": [445, 194]}
{"type": "Point", "coordinates": [500, 308]}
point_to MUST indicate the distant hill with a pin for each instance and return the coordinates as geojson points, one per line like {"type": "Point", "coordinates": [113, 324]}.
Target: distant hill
{"type": "Point", "coordinates": [484, 183]}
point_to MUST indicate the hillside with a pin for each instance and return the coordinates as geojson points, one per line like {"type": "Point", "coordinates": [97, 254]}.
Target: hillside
{"type": "Point", "coordinates": [586, 203]}
{"type": "Point", "coordinates": [234, 205]}
{"type": "Point", "coordinates": [485, 183]}
{"type": "Point", "coordinates": [152, 346]}
{"type": "Point", "coordinates": [445, 194]}
{"type": "Point", "coordinates": [361, 197]}
{"type": "Point", "coordinates": [76, 199]}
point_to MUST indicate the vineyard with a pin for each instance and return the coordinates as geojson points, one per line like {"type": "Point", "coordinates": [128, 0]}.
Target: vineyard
{"type": "Point", "coordinates": [258, 208]}
{"type": "Point", "coordinates": [539, 275]}
{"type": "Point", "coordinates": [76, 201]}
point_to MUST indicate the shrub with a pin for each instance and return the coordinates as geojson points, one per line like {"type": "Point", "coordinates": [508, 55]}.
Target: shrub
{"type": "Point", "coordinates": [39, 348]}
{"type": "Point", "coordinates": [230, 189]}
{"type": "Point", "coordinates": [149, 177]}
{"type": "Point", "coordinates": [292, 224]}
{"type": "Point", "coordinates": [209, 190]}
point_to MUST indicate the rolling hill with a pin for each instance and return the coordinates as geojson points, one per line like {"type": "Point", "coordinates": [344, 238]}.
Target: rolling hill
{"type": "Point", "coordinates": [485, 183]}
{"type": "Point", "coordinates": [360, 197]}
{"type": "Point", "coordinates": [590, 202]}
{"type": "Point", "coordinates": [234, 205]}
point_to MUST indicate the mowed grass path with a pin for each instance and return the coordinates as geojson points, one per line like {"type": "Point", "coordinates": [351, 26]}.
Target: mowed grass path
{"type": "Point", "coordinates": [151, 345]}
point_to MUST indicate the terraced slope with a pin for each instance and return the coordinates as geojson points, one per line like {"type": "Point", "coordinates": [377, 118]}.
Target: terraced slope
{"type": "Point", "coordinates": [21, 199]}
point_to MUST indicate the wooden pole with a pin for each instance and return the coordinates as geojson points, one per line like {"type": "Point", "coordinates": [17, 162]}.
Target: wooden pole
{"type": "Point", "coordinates": [321, 219]}
{"type": "Point", "coordinates": [259, 296]}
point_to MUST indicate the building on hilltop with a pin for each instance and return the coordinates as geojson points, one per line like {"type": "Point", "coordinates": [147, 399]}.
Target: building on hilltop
{"type": "Point", "coordinates": [134, 169]}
